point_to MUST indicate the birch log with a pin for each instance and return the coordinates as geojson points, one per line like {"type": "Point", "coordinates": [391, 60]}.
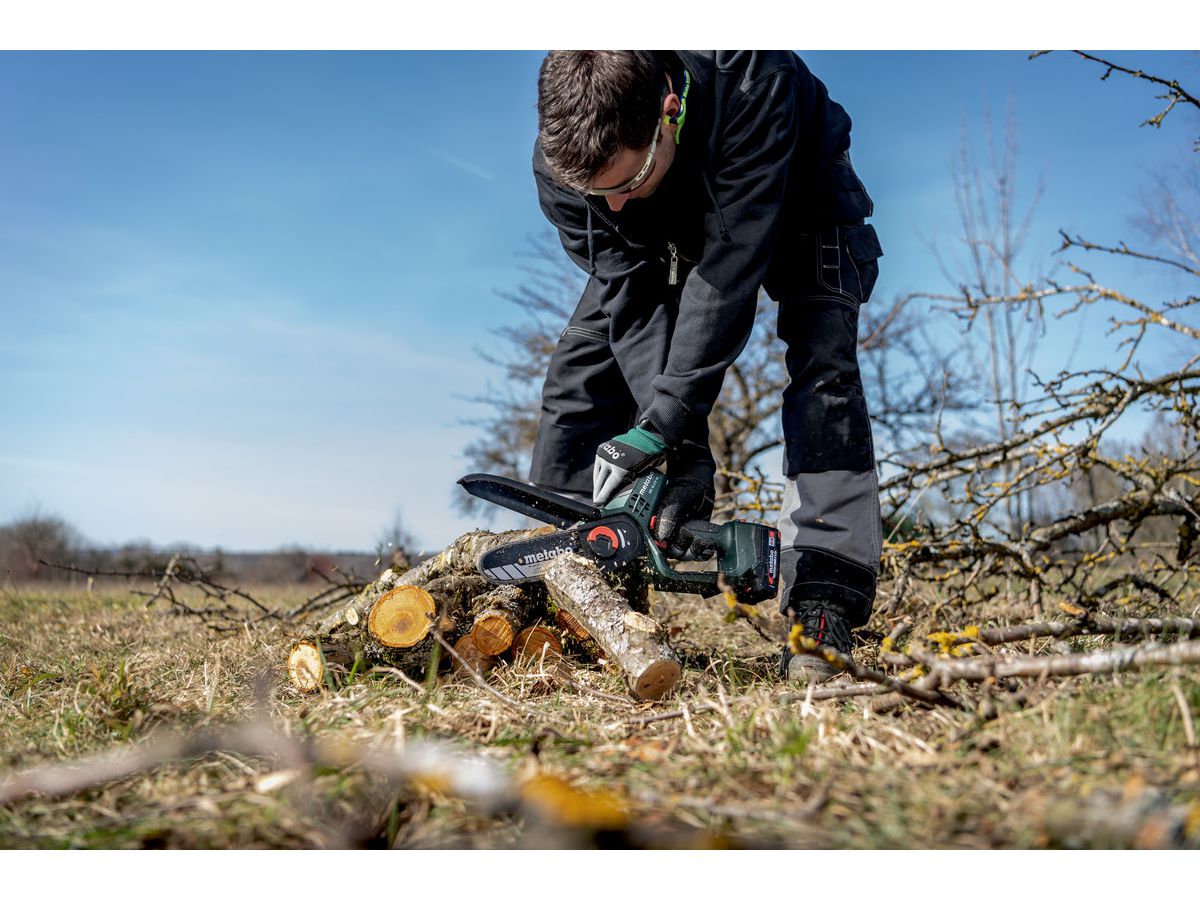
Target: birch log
{"type": "Point", "coordinates": [630, 639]}
{"type": "Point", "coordinates": [460, 557]}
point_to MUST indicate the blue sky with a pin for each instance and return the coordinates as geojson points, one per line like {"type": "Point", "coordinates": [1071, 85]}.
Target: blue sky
{"type": "Point", "coordinates": [241, 294]}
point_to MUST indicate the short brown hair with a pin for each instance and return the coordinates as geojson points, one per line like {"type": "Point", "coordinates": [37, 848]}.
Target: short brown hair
{"type": "Point", "coordinates": [593, 104]}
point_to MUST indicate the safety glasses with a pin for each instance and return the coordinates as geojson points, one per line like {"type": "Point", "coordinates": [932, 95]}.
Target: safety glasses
{"type": "Point", "coordinates": [637, 180]}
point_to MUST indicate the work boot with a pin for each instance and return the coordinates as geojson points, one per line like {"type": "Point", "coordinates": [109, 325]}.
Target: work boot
{"type": "Point", "coordinates": [825, 625]}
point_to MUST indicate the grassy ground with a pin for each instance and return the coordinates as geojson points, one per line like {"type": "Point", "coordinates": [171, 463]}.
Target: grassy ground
{"type": "Point", "coordinates": [1097, 761]}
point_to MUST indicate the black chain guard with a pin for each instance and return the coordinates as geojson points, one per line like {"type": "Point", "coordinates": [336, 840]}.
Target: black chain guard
{"type": "Point", "coordinates": [614, 543]}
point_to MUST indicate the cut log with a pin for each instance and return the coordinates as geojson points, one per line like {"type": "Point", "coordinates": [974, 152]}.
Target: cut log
{"type": "Point", "coordinates": [402, 616]}
{"type": "Point", "coordinates": [471, 657]}
{"type": "Point", "coordinates": [390, 621]}
{"type": "Point", "coordinates": [629, 638]}
{"type": "Point", "coordinates": [537, 643]}
{"type": "Point", "coordinates": [312, 666]}
{"type": "Point", "coordinates": [500, 613]}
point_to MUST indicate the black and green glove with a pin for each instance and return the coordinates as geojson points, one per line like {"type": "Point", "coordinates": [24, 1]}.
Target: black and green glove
{"type": "Point", "coordinates": [621, 458]}
{"type": "Point", "coordinates": [686, 499]}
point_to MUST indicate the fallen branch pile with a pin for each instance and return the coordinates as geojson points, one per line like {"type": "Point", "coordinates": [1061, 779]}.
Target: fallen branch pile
{"type": "Point", "coordinates": [404, 621]}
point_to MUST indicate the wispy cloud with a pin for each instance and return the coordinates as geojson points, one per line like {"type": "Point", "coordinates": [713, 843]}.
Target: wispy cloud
{"type": "Point", "coordinates": [462, 164]}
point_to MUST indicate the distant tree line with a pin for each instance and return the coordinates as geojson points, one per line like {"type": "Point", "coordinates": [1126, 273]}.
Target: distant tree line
{"type": "Point", "coordinates": [47, 548]}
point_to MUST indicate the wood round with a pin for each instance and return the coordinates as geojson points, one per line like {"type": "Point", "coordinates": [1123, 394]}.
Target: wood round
{"type": "Point", "coordinates": [535, 641]}
{"type": "Point", "coordinates": [305, 668]}
{"type": "Point", "coordinates": [402, 616]}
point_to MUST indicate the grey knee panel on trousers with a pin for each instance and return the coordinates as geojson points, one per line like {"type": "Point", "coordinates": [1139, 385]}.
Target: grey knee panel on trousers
{"type": "Point", "coordinates": [831, 536]}
{"type": "Point", "coordinates": [830, 526]}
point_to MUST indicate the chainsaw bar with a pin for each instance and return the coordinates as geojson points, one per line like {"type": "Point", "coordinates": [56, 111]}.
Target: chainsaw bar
{"type": "Point", "coordinates": [613, 543]}
{"type": "Point", "coordinates": [529, 500]}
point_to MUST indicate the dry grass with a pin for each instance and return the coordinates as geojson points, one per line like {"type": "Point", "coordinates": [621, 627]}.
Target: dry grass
{"type": "Point", "coordinates": [747, 762]}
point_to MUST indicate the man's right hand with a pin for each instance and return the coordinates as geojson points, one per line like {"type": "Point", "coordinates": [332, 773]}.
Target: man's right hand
{"type": "Point", "coordinates": [621, 458]}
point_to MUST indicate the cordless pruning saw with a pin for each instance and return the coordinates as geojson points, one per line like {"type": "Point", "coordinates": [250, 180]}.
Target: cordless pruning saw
{"type": "Point", "coordinates": [619, 539]}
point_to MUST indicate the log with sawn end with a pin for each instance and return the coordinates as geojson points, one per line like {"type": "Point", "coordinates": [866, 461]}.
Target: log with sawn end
{"type": "Point", "coordinates": [539, 644]}
{"type": "Point", "coordinates": [630, 639]}
{"type": "Point", "coordinates": [396, 631]}
{"type": "Point", "coordinates": [469, 657]}
{"type": "Point", "coordinates": [312, 665]}
{"type": "Point", "coordinates": [499, 615]}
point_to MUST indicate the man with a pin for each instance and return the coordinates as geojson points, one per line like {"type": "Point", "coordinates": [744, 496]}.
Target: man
{"type": "Point", "coordinates": [681, 182]}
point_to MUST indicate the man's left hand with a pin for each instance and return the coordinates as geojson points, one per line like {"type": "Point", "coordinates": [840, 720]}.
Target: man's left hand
{"type": "Point", "coordinates": [686, 498]}
{"type": "Point", "coordinates": [621, 458]}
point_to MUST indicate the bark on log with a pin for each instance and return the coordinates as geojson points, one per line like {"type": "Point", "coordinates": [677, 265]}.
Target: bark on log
{"type": "Point", "coordinates": [461, 588]}
{"type": "Point", "coordinates": [631, 639]}
{"type": "Point", "coordinates": [499, 615]}
{"type": "Point", "coordinates": [460, 557]}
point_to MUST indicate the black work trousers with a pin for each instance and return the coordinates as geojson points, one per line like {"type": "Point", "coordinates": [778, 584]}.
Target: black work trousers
{"type": "Point", "coordinates": [830, 520]}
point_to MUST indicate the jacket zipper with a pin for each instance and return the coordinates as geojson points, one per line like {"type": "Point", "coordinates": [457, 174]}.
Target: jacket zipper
{"type": "Point", "coordinates": [673, 274]}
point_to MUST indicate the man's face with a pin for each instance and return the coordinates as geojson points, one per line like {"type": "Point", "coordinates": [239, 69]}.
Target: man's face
{"type": "Point", "coordinates": [626, 165]}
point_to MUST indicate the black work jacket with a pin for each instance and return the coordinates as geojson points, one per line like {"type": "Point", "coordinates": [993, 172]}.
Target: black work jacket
{"type": "Point", "coordinates": [762, 158]}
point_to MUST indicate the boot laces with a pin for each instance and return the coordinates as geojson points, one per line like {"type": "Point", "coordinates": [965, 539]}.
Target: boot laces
{"type": "Point", "coordinates": [825, 626]}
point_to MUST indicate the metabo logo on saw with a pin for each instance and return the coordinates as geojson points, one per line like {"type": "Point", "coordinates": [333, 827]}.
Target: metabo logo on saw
{"type": "Point", "coordinates": [617, 538]}
{"type": "Point", "coordinates": [543, 555]}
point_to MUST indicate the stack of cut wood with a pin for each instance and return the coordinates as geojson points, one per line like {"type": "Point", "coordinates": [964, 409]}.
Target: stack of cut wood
{"type": "Point", "coordinates": [405, 620]}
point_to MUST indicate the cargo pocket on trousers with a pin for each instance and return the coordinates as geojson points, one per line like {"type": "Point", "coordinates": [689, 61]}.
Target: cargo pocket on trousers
{"type": "Point", "coordinates": [847, 266]}
{"type": "Point", "coordinates": [862, 246]}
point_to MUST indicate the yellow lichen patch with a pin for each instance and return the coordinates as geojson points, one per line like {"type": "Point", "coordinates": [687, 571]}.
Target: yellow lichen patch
{"type": "Point", "coordinates": [798, 642]}
{"type": "Point", "coordinates": [955, 643]}
{"type": "Point", "coordinates": [739, 610]}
